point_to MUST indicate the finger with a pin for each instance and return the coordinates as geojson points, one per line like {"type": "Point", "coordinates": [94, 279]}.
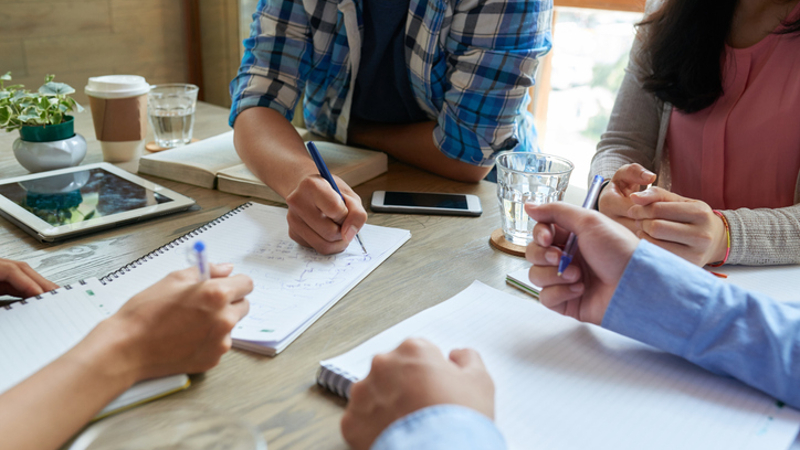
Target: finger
{"type": "Point", "coordinates": [679, 249]}
{"type": "Point", "coordinates": [356, 217]}
{"type": "Point", "coordinates": [234, 288]}
{"type": "Point", "coordinates": [655, 194]}
{"type": "Point", "coordinates": [569, 217]}
{"type": "Point", "coordinates": [43, 282]}
{"type": "Point", "coordinates": [556, 297]}
{"type": "Point", "coordinates": [684, 212]}
{"type": "Point", "coordinates": [542, 256]}
{"type": "Point", "coordinates": [548, 275]}
{"type": "Point", "coordinates": [304, 235]}
{"type": "Point", "coordinates": [220, 270]}
{"type": "Point", "coordinates": [308, 217]}
{"type": "Point", "coordinates": [21, 284]}
{"type": "Point", "coordinates": [546, 235]}
{"type": "Point", "coordinates": [328, 201]}
{"type": "Point", "coordinates": [632, 175]}
{"type": "Point", "coordinates": [467, 358]}
{"type": "Point", "coordinates": [665, 230]}
{"type": "Point", "coordinates": [240, 309]}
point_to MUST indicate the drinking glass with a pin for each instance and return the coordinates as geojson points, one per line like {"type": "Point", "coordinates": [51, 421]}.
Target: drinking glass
{"type": "Point", "coordinates": [170, 108]}
{"type": "Point", "coordinates": [525, 177]}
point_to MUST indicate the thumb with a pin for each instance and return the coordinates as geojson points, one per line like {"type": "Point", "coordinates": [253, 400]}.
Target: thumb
{"type": "Point", "coordinates": [570, 217]}
{"type": "Point", "coordinates": [220, 270]}
{"type": "Point", "coordinates": [633, 174]}
{"type": "Point", "coordinates": [467, 358]}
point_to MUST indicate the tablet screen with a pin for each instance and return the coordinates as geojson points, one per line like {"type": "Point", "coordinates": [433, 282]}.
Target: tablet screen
{"type": "Point", "coordinates": [79, 196]}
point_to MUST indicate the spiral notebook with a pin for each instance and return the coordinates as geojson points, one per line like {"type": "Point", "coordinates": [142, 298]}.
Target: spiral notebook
{"type": "Point", "coordinates": [566, 385]}
{"type": "Point", "coordinates": [37, 331]}
{"type": "Point", "coordinates": [293, 285]}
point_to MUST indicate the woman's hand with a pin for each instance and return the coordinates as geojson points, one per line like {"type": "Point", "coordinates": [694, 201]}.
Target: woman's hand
{"type": "Point", "coordinates": [615, 199]}
{"type": "Point", "coordinates": [686, 227]}
{"type": "Point", "coordinates": [17, 279]}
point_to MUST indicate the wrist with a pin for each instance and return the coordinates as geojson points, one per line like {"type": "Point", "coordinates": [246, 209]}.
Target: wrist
{"type": "Point", "coordinates": [722, 241]}
{"type": "Point", "coordinates": [112, 352]}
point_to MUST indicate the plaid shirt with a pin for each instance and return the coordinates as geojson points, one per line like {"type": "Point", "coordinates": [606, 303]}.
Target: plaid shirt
{"type": "Point", "coordinates": [470, 63]}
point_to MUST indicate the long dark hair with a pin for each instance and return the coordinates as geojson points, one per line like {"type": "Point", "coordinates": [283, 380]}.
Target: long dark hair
{"type": "Point", "coordinates": [684, 46]}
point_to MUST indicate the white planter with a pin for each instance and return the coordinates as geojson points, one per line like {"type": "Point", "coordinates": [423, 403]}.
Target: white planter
{"type": "Point", "coordinates": [44, 156]}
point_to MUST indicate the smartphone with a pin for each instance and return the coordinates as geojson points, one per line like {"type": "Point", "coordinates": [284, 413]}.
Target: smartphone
{"type": "Point", "coordinates": [426, 203]}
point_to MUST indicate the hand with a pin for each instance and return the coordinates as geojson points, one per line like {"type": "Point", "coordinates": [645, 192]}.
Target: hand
{"type": "Point", "coordinates": [615, 199]}
{"type": "Point", "coordinates": [17, 279]}
{"type": "Point", "coordinates": [686, 227]}
{"type": "Point", "coordinates": [414, 376]}
{"type": "Point", "coordinates": [178, 325]}
{"type": "Point", "coordinates": [319, 219]}
{"type": "Point", "coordinates": [585, 288]}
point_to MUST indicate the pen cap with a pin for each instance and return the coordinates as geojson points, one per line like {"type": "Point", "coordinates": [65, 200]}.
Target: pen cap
{"type": "Point", "coordinates": [199, 246]}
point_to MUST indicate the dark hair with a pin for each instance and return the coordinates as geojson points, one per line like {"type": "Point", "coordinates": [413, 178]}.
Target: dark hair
{"type": "Point", "coordinates": [684, 47]}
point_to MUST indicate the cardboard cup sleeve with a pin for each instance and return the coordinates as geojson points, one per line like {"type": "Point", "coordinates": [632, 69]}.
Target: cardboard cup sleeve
{"type": "Point", "coordinates": [119, 119]}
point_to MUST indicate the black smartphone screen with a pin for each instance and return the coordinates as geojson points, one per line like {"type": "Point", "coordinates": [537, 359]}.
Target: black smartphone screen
{"type": "Point", "coordinates": [448, 201]}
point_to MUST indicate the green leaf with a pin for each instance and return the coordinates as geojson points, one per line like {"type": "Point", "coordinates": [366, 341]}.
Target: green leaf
{"type": "Point", "coordinates": [4, 95]}
{"type": "Point", "coordinates": [6, 76]}
{"type": "Point", "coordinates": [51, 88]}
{"type": "Point", "coordinates": [5, 116]}
{"type": "Point", "coordinates": [77, 106]}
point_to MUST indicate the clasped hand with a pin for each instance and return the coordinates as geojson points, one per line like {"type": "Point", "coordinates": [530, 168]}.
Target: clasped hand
{"type": "Point", "coordinates": [686, 227]}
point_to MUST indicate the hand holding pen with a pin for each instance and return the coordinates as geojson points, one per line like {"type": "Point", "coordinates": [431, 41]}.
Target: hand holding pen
{"type": "Point", "coordinates": [318, 216]}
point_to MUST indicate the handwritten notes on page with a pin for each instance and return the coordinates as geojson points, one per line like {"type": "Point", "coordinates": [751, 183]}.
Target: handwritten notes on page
{"type": "Point", "coordinates": [565, 385]}
{"type": "Point", "coordinates": [293, 285]}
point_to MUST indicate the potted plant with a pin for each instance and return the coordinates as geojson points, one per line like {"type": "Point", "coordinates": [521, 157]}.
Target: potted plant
{"type": "Point", "coordinates": [47, 133]}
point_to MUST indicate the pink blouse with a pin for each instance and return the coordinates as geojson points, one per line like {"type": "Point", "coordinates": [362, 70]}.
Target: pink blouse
{"type": "Point", "coordinates": [744, 150]}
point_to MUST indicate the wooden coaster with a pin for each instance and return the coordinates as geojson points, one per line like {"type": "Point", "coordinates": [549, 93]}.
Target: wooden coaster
{"type": "Point", "coordinates": [152, 147]}
{"type": "Point", "coordinates": [498, 241]}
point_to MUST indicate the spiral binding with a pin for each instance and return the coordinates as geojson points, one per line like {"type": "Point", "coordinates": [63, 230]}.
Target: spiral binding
{"type": "Point", "coordinates": [172, 244]}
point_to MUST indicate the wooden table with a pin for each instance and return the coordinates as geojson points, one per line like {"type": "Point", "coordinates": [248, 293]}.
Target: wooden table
{"type": "Point", "coordinates": [278, 395]}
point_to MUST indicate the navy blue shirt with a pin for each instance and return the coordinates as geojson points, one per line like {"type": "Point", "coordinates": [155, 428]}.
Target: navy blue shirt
{"type": "Point", "coordinates": [383, 90]}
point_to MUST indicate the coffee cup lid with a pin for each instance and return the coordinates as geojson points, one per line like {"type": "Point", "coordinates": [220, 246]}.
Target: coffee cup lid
{"type": "Point", "coordinates": [117, 86]}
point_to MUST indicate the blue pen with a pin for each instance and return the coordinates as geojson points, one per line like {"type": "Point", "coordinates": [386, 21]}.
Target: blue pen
{"type": "Point", "coordinates": [202, 260]}
{"type": "Point", "coordinates": [326, 174]}
{"type": "Point", "coordinates": [572, 240]}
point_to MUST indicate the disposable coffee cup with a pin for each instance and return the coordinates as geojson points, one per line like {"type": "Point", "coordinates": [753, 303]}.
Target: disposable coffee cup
{"type": "Point", "coordinates": [119, 112]}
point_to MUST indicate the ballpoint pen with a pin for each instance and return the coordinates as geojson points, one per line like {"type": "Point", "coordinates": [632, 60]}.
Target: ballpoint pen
{"type": "Point", "coordinates": [572, 240]}
{"type": "Point", "coordinates": [326, 174]}
{"type": "Point", "coordinates": [202, 260]}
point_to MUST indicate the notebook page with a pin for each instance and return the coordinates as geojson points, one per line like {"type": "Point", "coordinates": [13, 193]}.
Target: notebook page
{"type": "Point", "coordinates": [779, 282]}
{"type": "Point", "coordinates": [565, 385]}
{"type": "Point", "coordinates": [291, 283]}
{"type": "Point", "coordinates": [40, 331]}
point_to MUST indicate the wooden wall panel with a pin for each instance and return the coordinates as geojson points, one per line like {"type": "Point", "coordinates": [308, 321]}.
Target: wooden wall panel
{"type": "Point", "coordinates": [76, 39]}
{"type": "Point", "coordinates": [221, 44]}
{"type": "Point", "coordinates": [614, 5]}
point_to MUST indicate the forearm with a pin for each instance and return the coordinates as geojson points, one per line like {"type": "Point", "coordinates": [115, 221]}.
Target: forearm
{"type": "Point", "coordinates": [764, 236]}
{"type": "Point", "coordinates": [670, 304]}
{"type": "Point", "coordinates": [46, 409]}
{"type": "Point", "coordinates": [413, 144]}
{"type": "Point", "coordinates": [271, 148]}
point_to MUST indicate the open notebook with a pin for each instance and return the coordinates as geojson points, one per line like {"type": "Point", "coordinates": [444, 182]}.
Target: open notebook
{"type": "Point", "coordinates": [566, 385]}
{"type": "Point", "coordinates": [293, 285]}
{"type": "Point", "coordinates": [213, 162]}
{"type": "Point", "coordinates": [39, 330]}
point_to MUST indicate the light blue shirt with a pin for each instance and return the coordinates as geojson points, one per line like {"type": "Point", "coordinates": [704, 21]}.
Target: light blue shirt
{"type": "Point", "coordinates": [663, 301]}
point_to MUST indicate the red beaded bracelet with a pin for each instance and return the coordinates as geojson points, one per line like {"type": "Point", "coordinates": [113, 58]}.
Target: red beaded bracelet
{"type": "Point", "coordinates": [727, 236]}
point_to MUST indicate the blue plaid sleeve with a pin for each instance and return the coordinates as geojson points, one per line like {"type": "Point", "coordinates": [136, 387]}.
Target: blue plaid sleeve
{"type": "Point", "coordinates": [492, 49]}
{"type": "Point", "coordinates": [276, 61]}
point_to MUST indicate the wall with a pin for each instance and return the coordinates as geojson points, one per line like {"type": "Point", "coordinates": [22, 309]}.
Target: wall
{"type": "Point", "coordinates": [76, 39]}
{"type": "Point", "coordinates": [221, 48]}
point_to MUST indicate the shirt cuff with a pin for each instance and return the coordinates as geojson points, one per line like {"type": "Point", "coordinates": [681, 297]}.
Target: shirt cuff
{"type": "Point", "coordinates": [659, 299]}
{"type": "Point", "coordinates": [441, 427]}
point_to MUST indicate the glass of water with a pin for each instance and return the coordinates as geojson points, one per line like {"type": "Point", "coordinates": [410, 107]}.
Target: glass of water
{"type": "Point", "coordinates": [170, 108]}
{"type": "Point", "coordinates": [524, 177]}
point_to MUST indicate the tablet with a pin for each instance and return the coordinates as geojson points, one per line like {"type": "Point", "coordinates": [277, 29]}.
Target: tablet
{"type": "Point", "coordinates": [60, 204]}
